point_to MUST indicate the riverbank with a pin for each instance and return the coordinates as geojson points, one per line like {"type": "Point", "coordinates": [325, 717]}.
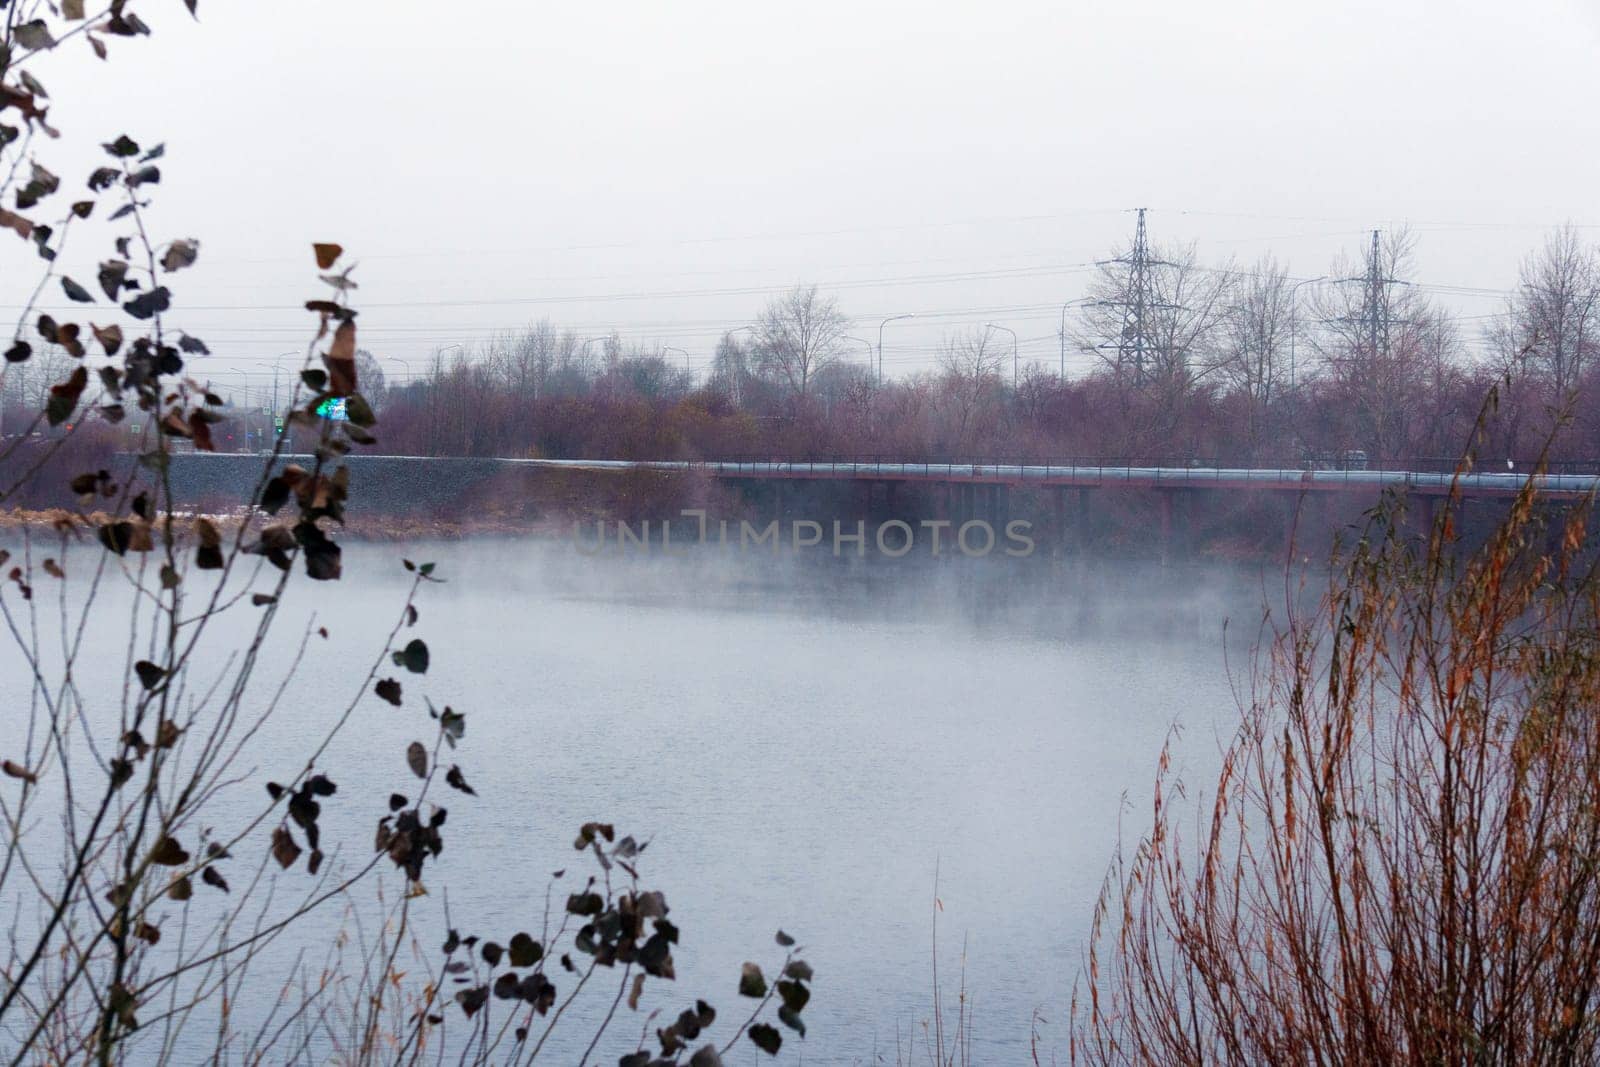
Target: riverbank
{"type": "Point", "coordinates": [377, 529]}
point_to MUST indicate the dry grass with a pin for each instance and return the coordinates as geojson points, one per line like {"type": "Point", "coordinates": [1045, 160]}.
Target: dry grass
{"type": "Point", "coordinates": [1401, 859]}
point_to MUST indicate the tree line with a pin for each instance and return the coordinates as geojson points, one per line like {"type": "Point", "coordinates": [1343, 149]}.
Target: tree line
{"type": "Point", "coordinates": [1234, 364]}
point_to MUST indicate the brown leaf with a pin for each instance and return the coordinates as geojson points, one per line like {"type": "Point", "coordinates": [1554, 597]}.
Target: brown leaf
{"type": "Point", "coordinates": [67, 337]}
{"type": "Point", "coordinates": [113, 273]}
{"type": "Point", "coordinates": [110, 337]}
{"type": "Point", "coordinates": [341, 360]}
{"type": "Point", "coordinates": [17, 770]}
{"type": "Point", "coordinates": [327, 255]}
{"type": "Point", "coordinates": [64, 397]}
{"type": "Point", "coordinates": [175, 425]}
{"type": "Point", "coordinates": [417, 759]}
{"type": "Point", "coordinates": [180, 253]}
{"type": "Point", "coordinates": [34, 35]}
{"type": "Point", "coordinates": [12, 221]}
{"type": "Point", "coordinates": [284, 850]}
{"type": "Point", "coordinates": [168, 853]}
{"type": "Point", "coordinates": [200, 432]}
{"type": "Point", "coordinates": [167, 734]}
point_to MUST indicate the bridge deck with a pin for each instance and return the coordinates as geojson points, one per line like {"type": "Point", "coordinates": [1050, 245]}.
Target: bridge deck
{"type": "Point", "coordinates": [1252, 479]}
{"type": "Point", "coordinates": [1478, 484]}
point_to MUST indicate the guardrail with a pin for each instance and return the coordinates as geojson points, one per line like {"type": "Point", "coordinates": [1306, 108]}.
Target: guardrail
{"type": "Point", "coordinates": [1282, 478]}
{"type": "Point", "coordinates": [1477, 483]}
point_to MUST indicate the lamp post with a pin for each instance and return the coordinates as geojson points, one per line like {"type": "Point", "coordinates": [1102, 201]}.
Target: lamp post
{"type": "Point", "coordinates": [862, 341]}
{"type": "Point", "coordinates": [881, 325]}
{"type": "Point", "coordinates": [244, 386]}
{"type": "Point", "coordinates": [406, 363]}
{"type": "Point", "coordinates": [995, 326]}
{"type": "Point", "coordinates": [1080, 302]}
{"type": "Point", "coordinates": [274, 366]}
{"type": "Point", "coordinates": [1294, 318]}
{"type": "Point", "coordinates": [670, 348]}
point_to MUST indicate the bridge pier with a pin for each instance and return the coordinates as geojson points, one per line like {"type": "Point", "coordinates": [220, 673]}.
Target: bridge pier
{"type": "Point", "coordinates": [1059, 533]}
{"type": "Point", "coordinates": [1177, 515]}
{"type": "Point", "coordinates": [1165, 498]}
{"type": "Point", "coordinates": [1085, 526]}
{"type": "Point", "coordinates": [1072, 521]}
{"type": "Point", "coordinates": [1292, 503]}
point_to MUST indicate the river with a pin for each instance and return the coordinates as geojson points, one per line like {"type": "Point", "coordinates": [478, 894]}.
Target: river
{"type": "Point", "coordinates": [823, 746]}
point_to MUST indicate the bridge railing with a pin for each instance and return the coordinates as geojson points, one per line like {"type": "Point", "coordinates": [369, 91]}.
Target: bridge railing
{"type": "Point", "coordinates": [1325, 461]}
{"type": "Point", "coordinates": [886, 462]}
{"type": "Point", "coordinates": [1494, 482]}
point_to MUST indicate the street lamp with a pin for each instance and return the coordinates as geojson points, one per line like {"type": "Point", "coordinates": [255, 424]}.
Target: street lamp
{"type": "Point", "coordinates": [995, 326]}
{"type": "Point", "coordinates": [274, 366]}
{"type": "Point", "coordinates": [669, 348]}
{"type": "Point", "coordinates": [1080, 302]}
{"type": "Point", "coordinates": [881, 325]}
{"type": "Point", "coordinates": [1293, 318]}
{"type": "Point", "coordinates": [406, 363]}
{"type": "Point", "coordinates": [583, 347]}
{"type": "Point", "coordinates": [244, 378]}
{"type": "Point", "coordinates": [862, 341]}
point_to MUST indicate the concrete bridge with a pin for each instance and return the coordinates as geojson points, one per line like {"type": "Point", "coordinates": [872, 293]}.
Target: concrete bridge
{"type": "Point", "coordinates": [1087, 475]}
{"type": "Point", "coordinates": [1427, 483]}
{"type": "Point", "coordinates": [965, 491]}
{"type": "Point", "coordinates": [1059, 495]}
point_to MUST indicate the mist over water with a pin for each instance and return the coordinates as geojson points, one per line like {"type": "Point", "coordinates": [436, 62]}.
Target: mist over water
{"type": "Point", "coordinates": [805, 742]}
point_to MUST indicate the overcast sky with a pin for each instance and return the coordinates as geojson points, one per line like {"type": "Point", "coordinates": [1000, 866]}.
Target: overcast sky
{"type": "Point", "coordinates": [660, 168]}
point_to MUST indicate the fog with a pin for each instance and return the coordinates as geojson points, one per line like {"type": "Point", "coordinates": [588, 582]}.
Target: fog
{"type": "Point", "coordinates": [806, 743]}
{"type": "Point", "coordinates": [661, 171]}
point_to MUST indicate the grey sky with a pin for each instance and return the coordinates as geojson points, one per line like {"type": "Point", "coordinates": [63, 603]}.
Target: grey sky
{"type": "Point", "coordinates": [659, 167]}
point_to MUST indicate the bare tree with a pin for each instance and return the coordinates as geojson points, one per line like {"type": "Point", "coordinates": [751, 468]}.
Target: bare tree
{"type": "Point", "coordinates": [1252, 356]}
{"type": "Point", "coordinates": [730, 368]}
{"type": "Point", "coordinates": [1172, 326]}
{"type": "Point", "coordinates": [970, 382]}
{"type": "Point", "coordinates": [797, 335]}
{"type": "Point", "coordinates": [1379, 341]}
{"type": "Point", "coordinates": [369, 372]}
{"type": "Point", "coordinates": [1552, 325]}
{"type": "Point", "coordinates": [531, 357]}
